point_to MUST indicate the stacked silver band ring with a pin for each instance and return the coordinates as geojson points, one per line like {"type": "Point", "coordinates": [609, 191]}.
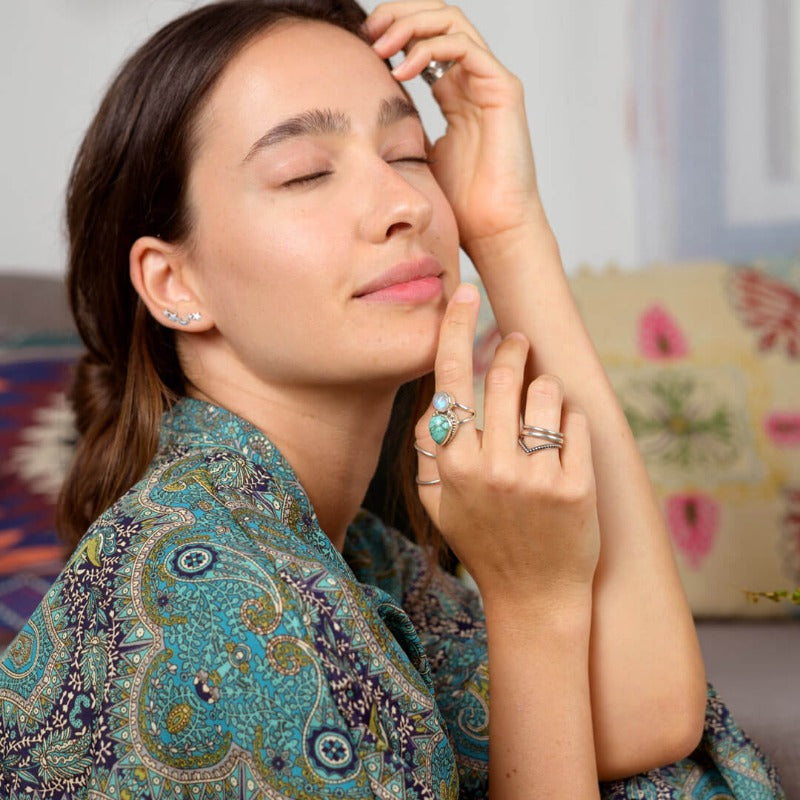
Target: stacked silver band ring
{"type": "Point", "coordinates": [420, 449]}
{"type": "Point", "coordinates": [444, 424]}
{"type": "Point", "coordinates": [435, 70]}
{"type": "Point", "coordinates": [554, 439]}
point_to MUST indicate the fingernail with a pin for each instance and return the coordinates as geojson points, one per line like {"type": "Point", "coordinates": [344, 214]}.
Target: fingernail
{"type": "Point", "coordinates": [465, 293]}
{"type": "Point", "coordinates": [376, 45]}
{"type": "Point", "coordinates": [517, 335]}
{"type": "Point", "coordinates": [399, 68]}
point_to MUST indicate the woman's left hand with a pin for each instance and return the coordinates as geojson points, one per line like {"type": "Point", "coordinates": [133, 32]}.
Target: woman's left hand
{"type": "Point", "coordinates": [484, 161]}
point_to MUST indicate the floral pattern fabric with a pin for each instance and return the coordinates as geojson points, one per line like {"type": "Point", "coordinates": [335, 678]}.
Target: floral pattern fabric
{"type": "Point", "coordinates": [206, 640]}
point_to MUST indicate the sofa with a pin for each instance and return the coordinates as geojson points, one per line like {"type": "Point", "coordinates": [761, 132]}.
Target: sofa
{"type": "Point", "coordinates": [698, 334]}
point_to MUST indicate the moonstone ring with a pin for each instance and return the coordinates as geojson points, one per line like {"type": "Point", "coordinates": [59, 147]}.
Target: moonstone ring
{"type": "Point", "coordinates": [445, 422]}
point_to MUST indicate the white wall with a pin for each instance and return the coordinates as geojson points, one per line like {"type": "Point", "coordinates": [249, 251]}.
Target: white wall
{"type": "Point", "coordinates": [56, 56]}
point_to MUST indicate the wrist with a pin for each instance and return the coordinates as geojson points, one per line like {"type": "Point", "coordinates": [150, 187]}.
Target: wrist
{"type": "Point", "coordinates": [532, 236]}
{"type": "Point", "coordinates": [566, 612]}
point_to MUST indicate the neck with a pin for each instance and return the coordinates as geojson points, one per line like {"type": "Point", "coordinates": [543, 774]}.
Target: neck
{"type": "Point", "coordinates": [331, 439]}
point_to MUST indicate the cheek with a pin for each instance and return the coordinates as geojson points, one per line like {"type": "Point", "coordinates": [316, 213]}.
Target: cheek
{"type": "Point", "coordinates": [445, 225]}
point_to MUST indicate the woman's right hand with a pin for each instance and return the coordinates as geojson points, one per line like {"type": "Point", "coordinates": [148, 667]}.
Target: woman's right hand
{"type": "Point", "coordinates": [524, 526]}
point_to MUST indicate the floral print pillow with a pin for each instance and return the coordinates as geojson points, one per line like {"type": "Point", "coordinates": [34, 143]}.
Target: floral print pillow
{"type": "Point", "coordinates": [705, 358]}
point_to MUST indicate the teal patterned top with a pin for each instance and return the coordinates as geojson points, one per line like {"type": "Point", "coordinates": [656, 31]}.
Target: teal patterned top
{"type": "Point", "coordinates": [206, 640]}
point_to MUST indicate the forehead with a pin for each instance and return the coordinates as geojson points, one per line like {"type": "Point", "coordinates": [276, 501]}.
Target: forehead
{"type": "Point", "coordinates": [295, 66]}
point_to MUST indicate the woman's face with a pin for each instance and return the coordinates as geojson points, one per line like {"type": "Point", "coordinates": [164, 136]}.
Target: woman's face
{"type": "Point", "coordinates": [323, 248]}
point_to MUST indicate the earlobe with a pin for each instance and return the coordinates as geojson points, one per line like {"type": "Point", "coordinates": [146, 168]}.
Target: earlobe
{"type": "Point", "coordinates": [160, 278]}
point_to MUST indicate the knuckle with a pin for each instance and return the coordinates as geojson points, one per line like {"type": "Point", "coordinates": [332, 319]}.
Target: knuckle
{"type": "Point", "coordinates": [457, 317]}
{"type": "Point", "coordinates": [549, 386]}
{"type": "Point", "coordinates": [457, 471]}
{"type": "Point", "coordinates": [516, 85]}
{"type": "Point", "coordinates": [449, 369]}
{"type": "Point", "coordinates": [501, 377]}
{"type": "Point", "coordinates": [500, 477]}
{"type": "Point", "coordinates": [577, 493]}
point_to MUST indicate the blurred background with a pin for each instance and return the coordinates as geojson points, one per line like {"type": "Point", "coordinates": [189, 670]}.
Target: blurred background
{"type": "Point", "coordinates": [663, 129]}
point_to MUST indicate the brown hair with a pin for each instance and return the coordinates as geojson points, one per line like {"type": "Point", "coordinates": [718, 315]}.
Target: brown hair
{"type": "Point", "coordinates": [129, 180]}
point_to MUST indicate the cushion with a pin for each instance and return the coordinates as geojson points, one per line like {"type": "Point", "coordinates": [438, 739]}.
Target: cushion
{"type": "Point", "coordinates": [705, 358]}
{"type": "Point", "coordinates": [37, 348]}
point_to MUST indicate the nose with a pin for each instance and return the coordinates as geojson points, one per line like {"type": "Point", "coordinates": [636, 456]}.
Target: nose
{"type": "Point", "coordinates": [394, 206]}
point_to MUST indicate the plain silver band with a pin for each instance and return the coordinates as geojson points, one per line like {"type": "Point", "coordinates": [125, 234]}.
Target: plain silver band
{"type": "Point", "coordinates": [533, 430]}
{"type": "Point", "coordinates": [427, 483]}
{"type": "Point", "coordinates": [557, 440]}
{"type": "Point", "coordinates": [422, 450]}
{"type": "Point", "coordinates": [528, 450]}
{"type": "Point", "coordinates": [435, 70]}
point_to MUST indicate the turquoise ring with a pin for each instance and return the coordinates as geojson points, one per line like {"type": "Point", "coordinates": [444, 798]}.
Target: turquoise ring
{"type": "Point", "coordinates": [444, 424]}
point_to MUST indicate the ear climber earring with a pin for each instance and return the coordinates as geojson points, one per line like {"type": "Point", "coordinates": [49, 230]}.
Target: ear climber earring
{"type": "Point", "coordinates": [173, 317]}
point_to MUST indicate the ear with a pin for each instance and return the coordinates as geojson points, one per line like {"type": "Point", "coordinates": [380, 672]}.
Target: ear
{"type": "Point", "coordinates": [159, 275]}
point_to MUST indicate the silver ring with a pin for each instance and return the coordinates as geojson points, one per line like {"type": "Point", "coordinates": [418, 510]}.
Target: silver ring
{"type": "Point", "coordinates": [557, 440]}
{"type": "Point", "coordinates": [535, 449]}
{"type": "Point", "coordinates": [444, 424]}
{"type": "Point", "coordinates": [427, 483]}
{"type": "Point", "coordinates": [435, 70]}
{"type": "Point", "coordinates": [534, 430]}
{"type": "Point", "coordinates": [422, 450]}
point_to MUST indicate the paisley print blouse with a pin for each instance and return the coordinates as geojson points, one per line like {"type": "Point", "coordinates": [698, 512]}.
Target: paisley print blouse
{"type": "Point", "coordinates": [206, 640]}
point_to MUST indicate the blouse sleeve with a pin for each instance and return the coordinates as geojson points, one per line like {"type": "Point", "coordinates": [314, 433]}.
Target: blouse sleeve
{"type": "Point", "coordinates": [449, 619]}
{"type": "Point", "coordinates": [204, 651]}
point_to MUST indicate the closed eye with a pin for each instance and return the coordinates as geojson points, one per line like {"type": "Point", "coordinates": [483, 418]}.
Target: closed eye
{"type": "Point", "coordinates": [413, 160]}
{"type": "Point", "coordinates": [310, 178]}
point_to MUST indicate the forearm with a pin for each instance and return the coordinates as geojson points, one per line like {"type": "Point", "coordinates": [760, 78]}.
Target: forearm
{"type": "Point", "coordinates": [540, 725]}
{"type": "Point", "coordinates": [644, 651]}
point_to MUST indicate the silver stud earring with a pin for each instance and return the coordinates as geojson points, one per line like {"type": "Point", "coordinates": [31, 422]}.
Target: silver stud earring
{"type": "Point", "coordinates": [173, 317]}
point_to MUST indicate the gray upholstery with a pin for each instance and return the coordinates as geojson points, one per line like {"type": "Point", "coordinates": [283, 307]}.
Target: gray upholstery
{"type": "Point", "coordinates": [755, 667]}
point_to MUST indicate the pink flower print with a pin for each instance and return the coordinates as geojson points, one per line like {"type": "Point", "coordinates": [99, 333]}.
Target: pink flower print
{"type": "Point", "coordinates": [660, 336]}
{"type": "Point", "coordinates": [783, 428]}
{"type": "Point", "coordinates": [770, 306]}
{"type": "Point", "coordinates": [693, 519]}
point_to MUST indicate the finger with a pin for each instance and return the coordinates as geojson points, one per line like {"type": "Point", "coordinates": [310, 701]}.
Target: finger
{"type": "Point", "coordinates": [453, 367]}
{"type": "Point", "coordinates": [403, 32]}
{"type": "Point", "coordinates": [457, 47]}
{"type": "Point", "coordinates": [427, 468]}
{"type": "Point", "coordinates": [503, 389]}
{"type": "Point", "coordinates": [576, 455]}
{"type": "Point", "coordinates": [543, 407]}
{"type": "Point", "coordinates": [384, 14]}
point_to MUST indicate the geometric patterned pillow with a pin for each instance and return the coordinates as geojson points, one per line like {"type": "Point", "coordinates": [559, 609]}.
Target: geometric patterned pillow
{"type": "Point", "coordinates": [36, 437]}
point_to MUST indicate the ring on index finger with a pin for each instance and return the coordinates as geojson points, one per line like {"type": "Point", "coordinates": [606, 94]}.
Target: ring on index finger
{"type": "Point", "coordinates": [444, 424]}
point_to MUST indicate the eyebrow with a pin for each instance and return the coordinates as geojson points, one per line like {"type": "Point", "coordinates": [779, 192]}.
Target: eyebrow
{"type": "Point", "coordinates": [325, 121]}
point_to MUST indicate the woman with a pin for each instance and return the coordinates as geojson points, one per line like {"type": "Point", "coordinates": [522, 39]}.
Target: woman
{"type": "Point", "coordinates": [263, 250]}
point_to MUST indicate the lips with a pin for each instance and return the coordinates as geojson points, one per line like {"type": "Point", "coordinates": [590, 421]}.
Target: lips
{"type": "Point", "coordinates": [402, 273]}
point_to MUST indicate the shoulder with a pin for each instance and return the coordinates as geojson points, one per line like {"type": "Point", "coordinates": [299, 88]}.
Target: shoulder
{"type": "Point", "coordinates": [197, 624]}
